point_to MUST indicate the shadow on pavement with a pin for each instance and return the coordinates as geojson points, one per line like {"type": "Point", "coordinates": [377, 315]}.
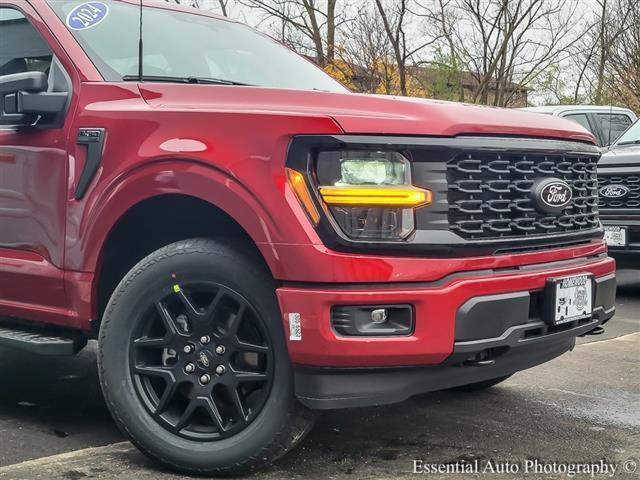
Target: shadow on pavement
{"type": "Point", "coordinates": [50, 405]}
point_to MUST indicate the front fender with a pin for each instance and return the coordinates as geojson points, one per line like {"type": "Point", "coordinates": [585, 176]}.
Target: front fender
{"type": "Point", "coordinates": [87, 233]}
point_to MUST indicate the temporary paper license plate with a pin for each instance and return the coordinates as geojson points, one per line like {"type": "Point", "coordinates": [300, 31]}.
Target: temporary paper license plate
{"type": "Point", "coordinates": [572, 298]}
{"type": "Point", "coordinates": [616, 236]}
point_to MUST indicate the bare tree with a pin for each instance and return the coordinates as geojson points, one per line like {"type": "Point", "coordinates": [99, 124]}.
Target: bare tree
{"type": "Point", "coordinates": [611, 27]}
{"type": "Point", "coordinates": [305, 24]}
{"type": "Point", "coordinates": [395, 16]}
{"type": "Point", "coordinates": [188, 3]}
{"type": "Point", "coordinates": [506, 45]}
{"type": "Point", "coordinates": [219, 5]}
{"type": "Point", "coordinates": [623, 59]}
{"type": "Point", "coordinates": [440, 17]}
{"type": "Point", "coordinates": [224, 7]}
{"type": "Point", "coordinates": [364, 59]}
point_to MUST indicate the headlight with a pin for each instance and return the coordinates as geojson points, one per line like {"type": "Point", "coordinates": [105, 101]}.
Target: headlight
{"type": "Point", "coordinates": [369, 194]}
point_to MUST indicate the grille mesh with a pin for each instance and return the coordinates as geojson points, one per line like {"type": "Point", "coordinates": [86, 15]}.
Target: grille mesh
{"type": "Point", "coordinates": [632, 182]}
{"type": "Point", "coordinates": [489, 195]}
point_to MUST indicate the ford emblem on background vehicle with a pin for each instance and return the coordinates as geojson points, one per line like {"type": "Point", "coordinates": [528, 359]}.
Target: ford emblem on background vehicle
{"type": "Point", "coordinates": [619, 192]}
{"type": "Point", "coordinates": [551, 195]}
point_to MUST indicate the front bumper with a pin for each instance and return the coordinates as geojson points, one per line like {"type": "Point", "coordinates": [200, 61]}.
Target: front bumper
{"type": "Point", "coordinates": [459, 318]}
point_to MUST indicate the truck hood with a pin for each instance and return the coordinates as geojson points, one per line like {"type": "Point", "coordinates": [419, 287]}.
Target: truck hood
{"type": "Point", "coordinates": [624, 155]}
{"type": "Point", "coordinates": [366, 114]}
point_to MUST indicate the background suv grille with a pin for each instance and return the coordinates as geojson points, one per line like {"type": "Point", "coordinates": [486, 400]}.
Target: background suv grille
{"type": "Point", "coordinates": [632, 182]}
{"type": "Point", "coordinates": [489, 195]}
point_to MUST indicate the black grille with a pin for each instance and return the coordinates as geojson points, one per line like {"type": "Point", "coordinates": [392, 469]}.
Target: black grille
{"type": "Point", "coordinates": [489, 195]}
{"type": "Point", "coordinates": [632, 182]}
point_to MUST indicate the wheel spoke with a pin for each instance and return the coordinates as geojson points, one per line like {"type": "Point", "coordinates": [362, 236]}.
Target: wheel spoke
{"type": "Point", "coordinates": [235, 322]}
{"type": "Point", "coordinates": [207, 404]}
{"type": "Point", "coordinates": [162, 372]}
{"type": "Point", "coordinates": [169, 392]}
{"type": "Point", "coordinates": [251, 347]}
{"type": "Point", "coordinates": [192, 311]}
{"type": "Point", "coordinates": [151, 342]}
{"type": "Point", "coordinates": [211, 309]}
{"type": "Point", "coordinates": [237, 402]}
{"type": "Point", "coordinates": [183, 421]}
{"type": "Point", "coordinates": [214, 413]}
{"type": "Point", "coordinates": [167, 320]}
{"type": "Point", "coordinates": [250, 376]}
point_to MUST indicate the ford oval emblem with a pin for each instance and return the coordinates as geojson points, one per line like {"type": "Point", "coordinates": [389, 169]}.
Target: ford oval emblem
{"type": "Point", "coordinates": [551, 195]}
{"type": "Point", "coordinates": [204, 359]}
{"type": "Point", "coordinates": [87, 15]}
{"type": "Point", "coordinates": [617, 192]}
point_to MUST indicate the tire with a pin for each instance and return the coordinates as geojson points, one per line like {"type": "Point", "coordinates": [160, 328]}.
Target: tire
{"type": "Point", "coordinates": [220, 435]}
{"type": "Point", "coordinates": [477, 387]}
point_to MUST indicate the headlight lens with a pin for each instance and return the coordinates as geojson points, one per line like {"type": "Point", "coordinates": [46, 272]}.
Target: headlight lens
{"type": "Point", "coordinates": [369, 194]}
{"type": "Point", "coordinates": [374, 171]}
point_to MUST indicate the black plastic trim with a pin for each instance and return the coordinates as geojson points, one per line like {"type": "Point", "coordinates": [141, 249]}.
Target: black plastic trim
{"type": "Point", "coordinates": [442, 242]}
{"type": "Point", "coordinates": [518, 335]}
{"type": "Point", "coordinates": [327, 389]}
{"type": "Point", "coordinates": [491, 315]}
{"type": "Point", "coordinates": [626, 258]}
{"type": "Point", "coordinates": [41, 341]}
{"type": "Point", "coordinates": [93, 138]}
{"type": "Point", "coordinates": [347, 320]}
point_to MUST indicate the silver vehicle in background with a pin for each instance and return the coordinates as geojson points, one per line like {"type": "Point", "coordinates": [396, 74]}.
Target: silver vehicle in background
{"type": "Point", "coordinates": [605, 122]}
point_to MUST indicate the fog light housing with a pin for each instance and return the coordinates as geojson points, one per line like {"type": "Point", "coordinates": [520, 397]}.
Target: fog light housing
{"type": "Point", "coordinates": [372, 320]}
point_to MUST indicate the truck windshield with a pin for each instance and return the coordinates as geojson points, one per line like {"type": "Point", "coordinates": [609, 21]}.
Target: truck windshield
{"type": "Point", "coordinates": [631, 136]}
{"type": "Point", "coordinates": [184, 47]}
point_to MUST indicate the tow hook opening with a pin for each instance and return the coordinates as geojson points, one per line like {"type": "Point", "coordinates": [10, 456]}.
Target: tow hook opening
{"type": "Point", "coordinates": [485, 358]}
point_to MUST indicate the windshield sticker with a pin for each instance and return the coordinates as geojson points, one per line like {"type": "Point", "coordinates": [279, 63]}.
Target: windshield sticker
{"type": "Point", "coordinates": [87, 15]}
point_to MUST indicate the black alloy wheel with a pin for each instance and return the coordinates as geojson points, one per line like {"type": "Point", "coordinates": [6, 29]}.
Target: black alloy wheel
{"type": "Point", "coordinates": [193, 360]}
{"type": "Point", "coordinates": [202, 361]}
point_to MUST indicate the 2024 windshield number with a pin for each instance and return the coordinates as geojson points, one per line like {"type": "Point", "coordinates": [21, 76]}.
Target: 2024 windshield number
{"type": "Point", "coordinates": [87, 15]}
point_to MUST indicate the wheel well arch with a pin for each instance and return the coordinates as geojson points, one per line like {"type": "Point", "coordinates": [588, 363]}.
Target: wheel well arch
{"type": "Point", "coordinates": [159, 221]}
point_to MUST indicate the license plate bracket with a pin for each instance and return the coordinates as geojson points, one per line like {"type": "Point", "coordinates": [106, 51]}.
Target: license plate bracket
{"type": "Point", "coordinates": [568, 299]}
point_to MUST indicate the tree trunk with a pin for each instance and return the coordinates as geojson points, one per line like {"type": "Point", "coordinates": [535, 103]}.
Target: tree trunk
{"type": "Point", "coordinates": [603, 54]}
{"type": "Point", "coordinates": [331, 29]}
{"type": "Point", "coordinates": [316, 34]}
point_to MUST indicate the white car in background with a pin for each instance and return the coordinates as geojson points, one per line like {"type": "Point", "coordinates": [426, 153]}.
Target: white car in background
{"type": "Point", "coordinates": [605, 122]}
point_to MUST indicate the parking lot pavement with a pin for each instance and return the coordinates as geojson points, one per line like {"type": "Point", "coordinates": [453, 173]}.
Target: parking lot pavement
{"type": "Point", "coordinates": [581, 407]}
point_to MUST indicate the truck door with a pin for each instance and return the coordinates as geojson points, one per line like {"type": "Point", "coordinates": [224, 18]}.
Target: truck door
{"type": "Point", "coordinates": [33, 179]}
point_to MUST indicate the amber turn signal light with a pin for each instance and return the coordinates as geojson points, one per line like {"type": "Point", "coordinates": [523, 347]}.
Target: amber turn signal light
{"type": "Point", "coordinates": [383, 196]}
{"type": "Point", "coordinates": [299, 186]}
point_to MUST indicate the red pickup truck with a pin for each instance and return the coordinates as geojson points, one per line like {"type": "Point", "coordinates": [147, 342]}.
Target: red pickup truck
{"type": "Point", "coordinates": [250, 242]}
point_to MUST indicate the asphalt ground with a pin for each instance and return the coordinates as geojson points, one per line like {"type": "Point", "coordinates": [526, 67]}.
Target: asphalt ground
{"type": "Point", "coordinates": [580, 409]}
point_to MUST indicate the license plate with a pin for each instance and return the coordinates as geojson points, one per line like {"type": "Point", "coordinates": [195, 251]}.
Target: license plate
{"type": "Point", "coordinates": [616, 236]}
{"type": "Point", "coordinates": [571, 298]}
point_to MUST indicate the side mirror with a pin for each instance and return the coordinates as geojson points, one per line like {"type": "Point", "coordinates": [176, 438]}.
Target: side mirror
{"type": "Point", "coordinates": [24, 98]}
